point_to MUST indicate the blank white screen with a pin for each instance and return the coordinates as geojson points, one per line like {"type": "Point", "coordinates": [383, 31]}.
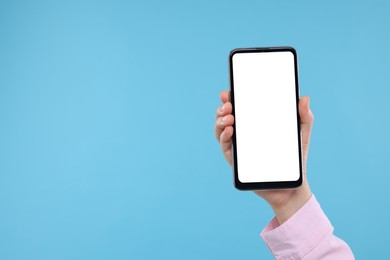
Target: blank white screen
{"type": "Point", "coordinates": [266, 117]}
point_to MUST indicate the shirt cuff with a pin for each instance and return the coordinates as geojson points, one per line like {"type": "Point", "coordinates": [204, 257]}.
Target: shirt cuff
{"type": "Point", "coordinates": [299, 234]}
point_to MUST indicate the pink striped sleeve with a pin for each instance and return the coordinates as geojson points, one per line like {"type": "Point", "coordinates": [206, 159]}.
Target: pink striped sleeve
{"type": "Point", "coordinates": [308, 234]}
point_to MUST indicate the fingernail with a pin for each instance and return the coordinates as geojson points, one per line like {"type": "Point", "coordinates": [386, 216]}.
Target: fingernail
{"type": "Point", "coordinates": [222, 109]}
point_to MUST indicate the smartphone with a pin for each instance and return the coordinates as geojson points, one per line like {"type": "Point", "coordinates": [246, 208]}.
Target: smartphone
{"type": "Point", "coordinates": [266, 141]}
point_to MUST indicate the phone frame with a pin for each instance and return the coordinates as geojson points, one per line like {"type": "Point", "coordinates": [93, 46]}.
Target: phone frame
{"type": "Point", "coordinates": [264, 185]}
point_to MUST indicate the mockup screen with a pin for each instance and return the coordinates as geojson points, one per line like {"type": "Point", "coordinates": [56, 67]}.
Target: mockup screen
{"type": "Point", "coordinates": [266, 117]}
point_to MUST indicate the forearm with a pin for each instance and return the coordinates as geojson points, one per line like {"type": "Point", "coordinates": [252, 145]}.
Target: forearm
{"type": "Point", "coordinates": [307, 234]}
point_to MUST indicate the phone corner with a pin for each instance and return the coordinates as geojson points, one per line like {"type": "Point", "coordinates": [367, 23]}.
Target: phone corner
{"type": "Point", "coordinates": [232, 52]}
{"type": "Point", "coordinates": [292, 50]}
{"type": "Point", "coordinates": [298, 183]}
{"type": "Point", "coordinates": [239, 185]}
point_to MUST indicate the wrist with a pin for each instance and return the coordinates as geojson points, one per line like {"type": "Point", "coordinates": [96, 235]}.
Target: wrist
{"type": "Point", "coordinates": [283, 211]}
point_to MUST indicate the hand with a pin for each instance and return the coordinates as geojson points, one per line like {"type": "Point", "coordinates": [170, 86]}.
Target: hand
{"type": "Point", "coordinates": [283, 202]}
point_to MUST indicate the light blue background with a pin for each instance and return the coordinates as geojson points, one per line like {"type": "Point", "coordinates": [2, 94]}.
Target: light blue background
{"type": "Point", "coordinates": [107, 108]}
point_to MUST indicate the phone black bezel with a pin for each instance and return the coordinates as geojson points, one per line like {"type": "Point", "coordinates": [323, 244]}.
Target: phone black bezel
{"type": "Point", "coordinates": [264, 185]}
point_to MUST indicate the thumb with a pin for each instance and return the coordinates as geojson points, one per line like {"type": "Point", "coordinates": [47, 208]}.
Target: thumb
{"type": "Point", "coordinates": [307, 119]}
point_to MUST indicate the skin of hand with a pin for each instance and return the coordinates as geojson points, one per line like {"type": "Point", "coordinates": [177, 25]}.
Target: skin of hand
{"type": "Point", "coordinates": [284, 203]}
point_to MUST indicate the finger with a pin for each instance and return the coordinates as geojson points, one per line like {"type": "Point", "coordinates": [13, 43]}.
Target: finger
{"type": "Point", "coordinates": [225, 96]}
{"type": "Point", "coordinates": [224, 109]}
{"type": "Point", "coordinates": [225, 138]}
{"type": "Point", "coordinates": [307, 119]}
{"type": "Point", "coordinates": [221, 123]}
